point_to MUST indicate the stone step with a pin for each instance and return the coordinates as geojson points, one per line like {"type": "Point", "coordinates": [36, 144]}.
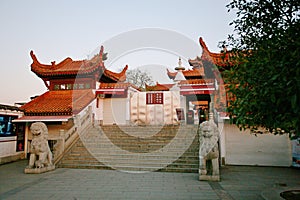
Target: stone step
{"type": "Point", "coordinates": [128, 157]}
{"type": "Point", "coordinates": [153, 153]}
{"type": "Point", "coordinates": [131, 162]}
{"type": "Point", "coordinates": [142, 156]}
{"type": "Point", "coordinates": [129, 135]}
{"type": "Point", "coordinates": [124, 161]}
{"type": "Point", "coordinates": [174, 167]}
{"type": "Point", "coordinates": [136, 146]}
{"type": "Point", "coordinates": [191, 162]}
{"type": "Point", "coordinates": [133, 169]}
{"type": "Point", "coordinates": [115, 154]}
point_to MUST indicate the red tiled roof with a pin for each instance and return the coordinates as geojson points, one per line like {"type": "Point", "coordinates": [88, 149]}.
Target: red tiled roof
{"type": "Point", "coordinates": [60, 102]}
{"type": "Point", "coordinates": [66, 67]}
{"type": "Point", "coordinates": [219, 59]}
{"type": "Point", "coordinates": [196, 63]}
{"type": "Point", "coordinates": [158, 87]}
{"type": "Point", "coordinates": [196, 72]}
{"type": "Point", "coordinates": [81, 67]}
{"type": "Point", "coordinates": [116, 76]}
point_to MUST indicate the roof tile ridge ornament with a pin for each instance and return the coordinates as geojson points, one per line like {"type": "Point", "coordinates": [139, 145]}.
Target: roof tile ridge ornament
{"type": "Point", "coordinates": [158, 87]}
{"type": "Point", "coordinates": [203, 45]}
{"type": "Point", "coordinates": [171, 73]}
{"type": "Point", "coordinates": [206, 54]}
{"type": "Point", "coordinates": [101, 57]}
{"type": "Point", "coordinates": [179, 76]}
{"type": "Point", "coordinates": [180, 67]}
{"type": "Point", "coordinates": [158, 84]}
{"type": "Point", "coordinates": [124, 70]}
{"type": "Point", "coordinates": [121, 76]}
{"type": "Point", "coordinates": [34, 59]}
{"type": "Point", "coordinates": [36, 65]}
{"type": "Point", "coordinates": [219, 59]}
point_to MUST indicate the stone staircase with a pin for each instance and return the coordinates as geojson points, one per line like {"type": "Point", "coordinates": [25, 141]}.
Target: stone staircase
{"type": "Point", "coordinates": [136, 149]}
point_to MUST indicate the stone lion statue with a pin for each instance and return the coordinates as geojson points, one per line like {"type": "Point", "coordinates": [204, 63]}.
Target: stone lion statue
{"type": "Point", "coordinates": [40, 154]}
{"type": "Point", "coordinates": [209, 149]}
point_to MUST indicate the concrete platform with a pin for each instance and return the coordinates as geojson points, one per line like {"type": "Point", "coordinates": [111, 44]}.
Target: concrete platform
{"type": "Point", "coordinates": [237, 182]}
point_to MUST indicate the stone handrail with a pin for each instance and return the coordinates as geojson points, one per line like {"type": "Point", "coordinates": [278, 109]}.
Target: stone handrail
{"type": "Point", "coordinates": [85, 120]}
{"type": "Point", "coordinates": [82, 122]}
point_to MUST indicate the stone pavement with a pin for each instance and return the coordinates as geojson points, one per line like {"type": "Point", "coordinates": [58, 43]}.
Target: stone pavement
{"type": "Point", "coordinates": [237, 182]}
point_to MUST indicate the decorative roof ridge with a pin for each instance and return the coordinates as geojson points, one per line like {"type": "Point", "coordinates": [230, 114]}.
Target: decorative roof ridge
{"type": "Point", "coordinates": [206, 54]}
{"type": "Point", "coordinates": [205, 48]}
{"type": "Point", "coordinates": [67, 66]}
{"type": "Point", "coordinates": [203, 45]}
{"type": "Point", "coordinates": [197, 59]}
{"type": "Point", "coordinates": [160, 84]}
{"type": "Point", "coordinates": [53, 66]}
{"type": "Point", "coordinates": [121, 76]}
{"type": "Point", "coordinates": [159, 87]}
{"type": "Point", "coordinates": [101, 56]}
{"type": "Point", "coordinates": [221, 59]}
{"type": "Point", "coordinates": [171, 74]}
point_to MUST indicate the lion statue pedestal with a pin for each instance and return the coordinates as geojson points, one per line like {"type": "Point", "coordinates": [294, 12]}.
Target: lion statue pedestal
{"type": "Point", "coordinates": [40, 155]}
{"type": "Point", "coordinates": [209, 150]}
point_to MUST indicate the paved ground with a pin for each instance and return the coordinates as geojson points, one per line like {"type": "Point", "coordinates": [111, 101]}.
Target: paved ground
{"type": "Point", "coordinates": [238, 182]}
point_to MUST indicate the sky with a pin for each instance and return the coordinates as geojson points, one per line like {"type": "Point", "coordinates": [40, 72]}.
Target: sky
{"type": "Point", "coordinates": [58, 29]}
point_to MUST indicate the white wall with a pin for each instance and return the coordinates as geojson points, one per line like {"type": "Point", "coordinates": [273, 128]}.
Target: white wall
{"type": "Point", "coordinates": [114, 111]}
{"type": "Point", "coordinates": [243, 148]}
{"type": "Point", "coordinates": [8, 146]}
{"type": "Point", "coordinates": [99, 110]}
{"type": "Point", "coordinates": [155, 114]}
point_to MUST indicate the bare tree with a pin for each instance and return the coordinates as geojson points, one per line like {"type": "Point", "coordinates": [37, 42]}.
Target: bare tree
{"type": "Point", "coordinates": [139, 78]}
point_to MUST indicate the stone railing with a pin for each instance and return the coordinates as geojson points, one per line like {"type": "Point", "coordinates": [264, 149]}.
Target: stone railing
{"type": "Point", "coordinates": [84, 119]}
{"type": "Point", "coordinates": [82, 122]}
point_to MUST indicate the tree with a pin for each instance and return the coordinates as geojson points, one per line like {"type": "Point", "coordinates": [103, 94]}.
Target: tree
{"type": "Point", "coordinates": [265, 83]}
{"type": "Point", "coordinates": [138, 78]}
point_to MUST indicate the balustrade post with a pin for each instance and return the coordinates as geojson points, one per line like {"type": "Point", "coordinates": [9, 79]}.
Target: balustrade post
{"type": "Point", "coordinates": [77, 121]}
{"type": "Point", "coordinates": [59, 146]}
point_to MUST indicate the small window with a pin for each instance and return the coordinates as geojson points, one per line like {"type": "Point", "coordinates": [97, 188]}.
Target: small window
{"type": "Point", "coordinates": [63, 86]}
{"type": "Point", "coordinates": [56, 87]}
{"type": "Point", "coordinates": [75, 87]}
{"type": "Point", "coordinates": [7, 127]}
{"type": "Point", "coordinates": [81, 86]}
{"type": "Point", "coordinates": [87, 86]}
{"type": "Point", "coordinates": [69, 86]}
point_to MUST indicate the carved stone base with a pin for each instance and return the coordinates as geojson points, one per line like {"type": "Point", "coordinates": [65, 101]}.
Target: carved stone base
{"type": "Point", "coordinates": [209, 178]}
{"type": "Point", "coordinates": [39, 170]}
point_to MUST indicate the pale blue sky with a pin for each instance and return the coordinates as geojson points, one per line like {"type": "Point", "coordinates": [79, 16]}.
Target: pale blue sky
{"type": "Point", "coordinates": [58, 29]}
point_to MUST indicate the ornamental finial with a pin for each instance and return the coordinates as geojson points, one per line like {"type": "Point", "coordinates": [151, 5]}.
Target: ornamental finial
{"type": "Point", "coordinates": [180, 67]}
